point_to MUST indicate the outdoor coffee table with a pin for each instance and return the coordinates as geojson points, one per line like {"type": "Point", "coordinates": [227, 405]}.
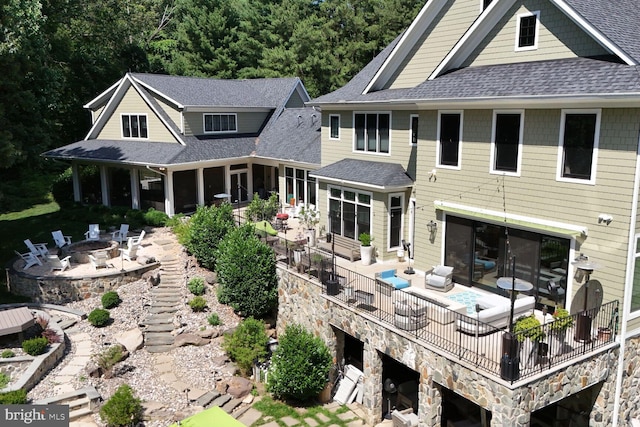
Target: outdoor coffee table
{"type": "Point", "coordinates": [364, 297]}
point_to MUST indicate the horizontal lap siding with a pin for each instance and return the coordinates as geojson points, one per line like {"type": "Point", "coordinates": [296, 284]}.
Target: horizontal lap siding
{"type": "Point", "coordinates": [443, 33]}
{"type": "Point", "coordinates": [558, 38]}
{"type": "Point", "coordinates": [170, 110]}
{"type": "Point", "coordinates": [246, 122]}
{"type": "Point", "coordinates": [536, 193]}
{"type": "Point", "coordinates": [132, 103]}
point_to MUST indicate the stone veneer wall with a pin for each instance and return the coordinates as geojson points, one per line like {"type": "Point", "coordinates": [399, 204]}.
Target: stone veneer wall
{"type": "Point", "coordinates": [65, 289]}
{"type": "Point", "coordinates": [630, 399]}
{"type": "Point", "coordinates": [301, 301]}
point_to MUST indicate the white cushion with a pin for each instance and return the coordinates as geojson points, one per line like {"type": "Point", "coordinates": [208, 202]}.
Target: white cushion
{"type": "Point", "coordinates": [442, 270]}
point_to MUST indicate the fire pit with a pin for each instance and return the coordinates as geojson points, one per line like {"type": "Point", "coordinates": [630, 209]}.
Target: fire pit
{"type": "Point", "coordinates": [80, 251]}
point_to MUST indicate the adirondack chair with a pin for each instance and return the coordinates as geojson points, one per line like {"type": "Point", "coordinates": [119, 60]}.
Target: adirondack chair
{"type": "Point", "coordinates": [93, 233]}
{"type": "Point", "coordinates": [60, 239]}
{"type": "Point", "coordinates": [130, 253]}
{"type": "Point", "coordinates": [59, 264]}
{"type": "Point", "coordinates": [29, 259]}
{"type": "Point", "coordinates": [38, 249]}
{"type": "Point", "coordinates": [99, 259]}
{"type": "Point", "coordinates": [121, 234]}
{"type": "Point", "coordinates": [138, 239]}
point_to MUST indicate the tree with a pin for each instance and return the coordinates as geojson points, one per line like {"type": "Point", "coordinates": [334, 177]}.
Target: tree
{"type": "Point", "coordinates": [246, 273]}
{"type": "Point", "coordinates": [207, 227]}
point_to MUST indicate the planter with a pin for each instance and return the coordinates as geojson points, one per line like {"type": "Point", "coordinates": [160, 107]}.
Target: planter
{"type": "Point", "coordinates": [311, 237]}
{"type": "Point", "coordinates": [558, 340]}
{"type": "Point", "coordinates": [400, 254]}
{"type": "Point", "coordinates": [297, 256]}
{"type": "Point", "coordinates": [366, 254]}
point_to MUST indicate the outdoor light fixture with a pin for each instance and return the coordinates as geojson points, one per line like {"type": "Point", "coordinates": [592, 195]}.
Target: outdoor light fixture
{"type": "Point", "coordinates": [432, 226]}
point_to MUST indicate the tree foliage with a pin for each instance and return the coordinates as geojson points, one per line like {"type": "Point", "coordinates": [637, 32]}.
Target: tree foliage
{"type": "Point", "coordinates": [247, 273]}
{"type": "Point", "coordinates": [300, 365]}
{"type": "Point", "coordinates": [247, 344]}
{"type": "Point", "coordinates": [206, 229]}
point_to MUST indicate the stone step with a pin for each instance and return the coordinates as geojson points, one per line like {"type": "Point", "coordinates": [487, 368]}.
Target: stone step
{"type": "Point", "coordinates": [83, 402]}
{"type": "Point", "coordinates": [165, 327]}
{"type": "Point", "coordinates": [164, 303]}
{"type": "Point", "coordinates": [158, 348]}
{"type": "Point", "coordinates": [207, 398]}
{"type": "Point", "coordinates": [158, 338]}
{"type": "Point", "coordinates": [161, 310]}
{"type": "Point", "coordinates": [79, 413]}
{"type": "Point", "coordinates": [231, 405]}
{"type": "Point", "coordinates": [221, 400]}
{"type": "Point", "coordinates": [158, 320]}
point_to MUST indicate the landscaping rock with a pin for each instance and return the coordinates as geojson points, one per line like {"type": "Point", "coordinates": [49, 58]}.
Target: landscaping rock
{"type": "Point", "coordinates": [209, 333]}
{"type": "Point", "coordinates": [239, 387]}
{"type": "Point", "coordinates": [132, 340]}
{"type": "Point", "coordinates": [190, 339]}
{"type": "Point", "coordinates": [211, 278]}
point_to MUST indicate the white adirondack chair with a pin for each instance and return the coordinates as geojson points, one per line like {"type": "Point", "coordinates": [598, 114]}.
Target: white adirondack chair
{"type": "Point", "coordinates": [138, 239]}
{"type": "Point", "coordinates": [38, 249]}
{"type": "Point", "coordinates": [121, 234]}
{"type": "Point", "coordinates": [130, 253]}
{"type": "Point", "coordinates": [60, 239]}
{"type": "Point", "coordinates": [99, 259]}
{"type": "Point", "coordinates": [93, 233]}
{"type": "Point", "coordinates": [59, 264]}
{"type": "Point", "coordinates": [29, 259]}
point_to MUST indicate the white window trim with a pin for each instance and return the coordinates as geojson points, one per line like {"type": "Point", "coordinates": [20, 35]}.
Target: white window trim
{"type": "Point", "coordinates": [492, 164]}
{"type": "Point", "coordinates": [594, 156]}
{"type": "Point", "coordinates": [357, 203]}
{"type": "Point", "coordinates": [204, 115]}
{"type": "Point", "coordinates": [411, 117]}
{"type": "Point", "coordinates": [438, 148]}
{"type": "Point", "coordinates": [365, 151]}
{"type": "Point", "coordinates": [133, 137]}
{"type": "Point", "coordinates": [633, 314]}
{"type": "Point", "coordinates": [519, 17]}
{"type": "Point", "coordinates": [330, 117]}
{"type": "Point", "coordinates": [401, 195]}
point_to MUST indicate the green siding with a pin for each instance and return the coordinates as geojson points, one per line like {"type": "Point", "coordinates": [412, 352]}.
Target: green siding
{"type": "Point", "coordinates": [295, 101]}
{"type": "Point", "coordinates": [247, 122]}
{"type": "Point", "coordinates": [558, 38]}
{"type": "Point", "coordinates": [170, 110]}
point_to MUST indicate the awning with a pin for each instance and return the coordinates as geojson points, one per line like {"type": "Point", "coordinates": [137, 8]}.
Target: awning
{"type": "Point", "coordinates": [214, 416]}
{"type": "Point", "coordinates": [519, 221]}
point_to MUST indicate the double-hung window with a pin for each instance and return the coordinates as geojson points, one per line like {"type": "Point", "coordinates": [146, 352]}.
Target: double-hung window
{"type": "Point", "coordinates": [219, 123]}
{"type": "Point", "coordinates": [506, 150]}
{"type": "Point", "coordinates": [579, 134]}
{"type": "Point", "coordinates": [134, 126]}
{"type": "Point", "coordinates": [527, 31]}
{"type": "Point", "coordinates": [334, 125]}
{"type": "Point", "coordinates": [449, 136]}
{"type": "Point", "coordinates": [372, 132]}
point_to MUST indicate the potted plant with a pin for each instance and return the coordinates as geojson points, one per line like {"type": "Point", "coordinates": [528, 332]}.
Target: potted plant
{"type": "Point", "coordinates": [529, 333]}
{"type": "Point", "coordinates": [366, 250]}
{"type": "Point", "coordinates": [298, 247]}
{"type": "Point", "coordinates": [562, 320]}
{"type": "Point", "coordinates": [310, 218]}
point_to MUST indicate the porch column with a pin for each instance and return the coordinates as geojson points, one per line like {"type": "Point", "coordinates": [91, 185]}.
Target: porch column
{"type": "Point", "coordinates": [135, 189]}
{"type": "Point", "coordinates": [168, 194]}
{"type": "Point", "coordinates": [75, 178]}
{"type": "Point", "coordinates": [508, 413]}
{"type": "Point", "coordinates": [200, 185]}
{"type": "Point", "coordinates": [373, 386]}
{"type": "Point", "coordinates": [104, 186]}
{"type": "Point", "coordinates": [429, 398]}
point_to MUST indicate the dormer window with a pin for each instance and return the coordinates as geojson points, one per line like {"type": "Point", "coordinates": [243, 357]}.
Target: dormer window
{"type": "Point", "coordinates": [134, 126]}
{"type": "Point", "coordinates": [220, 123]}
{"type": "Point", "coordinates": [527, 31]}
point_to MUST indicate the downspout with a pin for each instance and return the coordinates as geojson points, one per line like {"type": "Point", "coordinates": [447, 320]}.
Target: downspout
{"type": "Point", "coordinates": [628, 288]}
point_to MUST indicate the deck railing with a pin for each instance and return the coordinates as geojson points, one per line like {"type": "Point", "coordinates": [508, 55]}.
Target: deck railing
{"type": "Point", "coordinates": [494, 350]}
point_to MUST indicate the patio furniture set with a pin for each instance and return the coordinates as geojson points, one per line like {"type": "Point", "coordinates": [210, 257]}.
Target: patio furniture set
{"type": "Point", "coordinates": [38, 253]}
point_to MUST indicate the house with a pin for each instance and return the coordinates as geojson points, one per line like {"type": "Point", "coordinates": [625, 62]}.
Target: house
{"type": "Point", "coordinates": [173, 143]}
{"type": "Point", "coordinates": [499, 138]}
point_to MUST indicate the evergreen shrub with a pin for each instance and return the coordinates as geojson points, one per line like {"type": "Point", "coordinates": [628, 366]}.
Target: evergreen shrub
{"type": "Point", "coordinates": [99, 317]}
{"type": "Point", "coordinates": [196, 286]}
{"type": "Point", "coordinates": [110, 299]}
{"type": "Point", "coordinates": [122, 409]}
{"type": "Point", "coordinates": [247, 344]}
{"type": "Point", "coordinates": [198, 304]}
{"type": "Point", "coordinates": [35, 346]}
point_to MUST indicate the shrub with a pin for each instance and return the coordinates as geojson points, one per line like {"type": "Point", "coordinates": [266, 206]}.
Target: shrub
{"type": "Point", "coordinates": [7, 354]}
{"type": "Point", "coordinates": [4, 380]}
{"type": "Point", "coordinates": [135, 218]}
{"type": "Point", "coordinates": [51, 336]}
{"type": "Point", "coordinates": [99, 317]}
{"type": "Point", "coordinates": [180, 225]}
{"type": "Point", "coordinates": [198, 304]}
{"type": "Point", "coordinates": [528, 327]}
{"type": "Point", "coordinates": [16, 397]}
{"type": "Point", "coordinates": [206, 229]}
{"type": "Point", "coordinates": [246, 273]}
{"type": "Point", "coordinates": [122, 409]}
{"type": "Point", "coordinates": [247, 343]}
{"type": "Point", "coordinates": [562, 320]}
{"type": "Point", "coordinates": [35, 346]}
{"type": "Point", "coordinates": [259, 209]}
{"type": "Point", "coordinates": [214, 319]}
{"type": "Point", "coordinates": [196, 286]}
{"type": "Point", "coordinates": [155, 218]}
{"type": "Point", "coordinates": [300, 366]}
{"type": "Point", "coordinates": [111, 299]}
{"type": "Point", "coordinates": [108, 358]}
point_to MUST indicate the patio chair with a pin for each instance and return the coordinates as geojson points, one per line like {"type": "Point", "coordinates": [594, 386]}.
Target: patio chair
{"type": "Point", "coordinates": [130, 253]}
{"type": "Point", "coordinates": [38, 249]}
{"type": "Point", "coordinates": [60, 239]}
{"type": "Point", "coordinates": [99, 259]}
{"type": "Point", "coordinates": [138, 239]}
{"type": "Point", "coordinates": [29, 259]}
{"type": "Point", "coordinates": [93, 233]}
{"type": "Point", "coordinates": [121, 234]}
{"type": "Point", "coordinates": [59, 264]}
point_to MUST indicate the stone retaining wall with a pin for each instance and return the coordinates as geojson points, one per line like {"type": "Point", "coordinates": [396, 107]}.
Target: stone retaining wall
{"type": "Point", "coordinates": [630, 398]}
{"type": "Point", "coordinates": [301, 301]}
{"type": "Point", "coordinates": [64, 289]}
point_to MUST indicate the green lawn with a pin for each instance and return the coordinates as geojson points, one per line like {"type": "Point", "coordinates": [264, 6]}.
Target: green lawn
{"type": "Point", "coordinates": [273, 410]}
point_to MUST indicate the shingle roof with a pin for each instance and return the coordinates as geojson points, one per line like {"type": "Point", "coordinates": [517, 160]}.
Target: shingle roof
{"type": "Point", "coordinates": [295, 136]}
{"type": "Point", "coordinates": [618, 20]}
{"type": "Point", "coordinates": [377, 174]}
{"type": "Point", "coordinates": [564, 77]}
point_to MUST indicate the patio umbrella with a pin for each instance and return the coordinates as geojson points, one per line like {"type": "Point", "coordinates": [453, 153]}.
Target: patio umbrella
{"type": "Point", "coordinates": [265, 228]}
{"type": "Point", "coordinates": [214, 416]}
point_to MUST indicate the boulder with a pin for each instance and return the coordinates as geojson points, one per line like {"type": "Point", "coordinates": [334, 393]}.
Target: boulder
{"type": "Point", "coordinates": [132, 339]}
{"type": "Point", "coordinates": [209, 333]}
{"type": "Point", "coordinates": [211, 278]}
{"type": "Point", "coordinates": [190, 339]}
{"type": "Point", "coordinates": [239, 387]}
